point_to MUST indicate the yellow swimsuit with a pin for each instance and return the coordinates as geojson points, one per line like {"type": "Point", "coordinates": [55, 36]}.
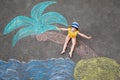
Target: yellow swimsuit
{"type": "Point", "coordinates": [72, 34]}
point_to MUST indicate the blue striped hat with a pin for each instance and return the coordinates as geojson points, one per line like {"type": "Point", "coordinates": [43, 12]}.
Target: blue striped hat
{"type": "Point", "coordinates": [75, 25]}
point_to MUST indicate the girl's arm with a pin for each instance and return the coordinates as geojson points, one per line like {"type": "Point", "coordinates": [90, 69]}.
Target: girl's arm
{"type": "Point", "coordinates": [85, 36]}
{"type": "Point", "coordinates": [63, 29]}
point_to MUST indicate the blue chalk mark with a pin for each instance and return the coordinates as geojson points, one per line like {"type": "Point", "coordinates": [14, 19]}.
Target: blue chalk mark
{"type": "Point", "coordinates": [37, 24]}
{"type": "Point", "coordinates": [51, 69]}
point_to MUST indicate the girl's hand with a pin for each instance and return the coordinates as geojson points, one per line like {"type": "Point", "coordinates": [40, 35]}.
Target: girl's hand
{"type": "Point", "coordinates": [57, 28]}
{"type": "Point", "coordinates": [89, 37]}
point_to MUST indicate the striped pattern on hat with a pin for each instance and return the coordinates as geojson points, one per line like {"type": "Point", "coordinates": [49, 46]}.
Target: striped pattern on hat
{"type": "Point", "coordinates": [75, 25]}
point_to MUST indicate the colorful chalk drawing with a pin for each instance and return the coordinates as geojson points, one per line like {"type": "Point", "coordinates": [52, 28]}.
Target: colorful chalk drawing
{"type": "Point", "coordinates": [83, 50]}
{"type": "Point", "coordinates": [40, 25]}
{"type": "Point", "coordinates": [51, 69]}
{"type": "Point", "coordinates": [37, 24]}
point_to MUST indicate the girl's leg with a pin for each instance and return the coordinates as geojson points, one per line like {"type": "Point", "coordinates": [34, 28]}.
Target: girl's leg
{"type": "Point", "coordinates": [65, 44]}
{"type": "Point", "coordinates": [72, 47]}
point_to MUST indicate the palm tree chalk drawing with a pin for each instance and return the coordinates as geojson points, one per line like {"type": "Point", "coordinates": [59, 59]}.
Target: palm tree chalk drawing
{"type": "Point", "coordinates": [40, 24]}
{"type": "Point", "coordinates": [83, 50]}
{"type": "Point", "coordinates": [37, 24]}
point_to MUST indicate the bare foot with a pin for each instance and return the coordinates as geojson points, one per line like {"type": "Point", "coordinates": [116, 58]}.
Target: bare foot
{"type": "Point", "coordinates": [70, 54]}
{"type": "Point", "coordinates": [62, 52]}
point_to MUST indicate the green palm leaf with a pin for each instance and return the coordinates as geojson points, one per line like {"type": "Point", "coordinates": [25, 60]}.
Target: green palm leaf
{"type": "Point", "coordinates": [27, 31]}
{"type": "Point", "coordinates": [47, 28]}
{"type": "Point", "coordinates": [38, 9]}
{"type": "Point", "coordinates": [24, 32]}
{"type": "Point", "coordinates": [18, 22]}
{"type": "Point", "coordinates": [53, 18]}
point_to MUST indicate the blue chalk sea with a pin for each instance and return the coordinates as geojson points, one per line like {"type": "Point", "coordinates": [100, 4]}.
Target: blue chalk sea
{"type": "Point", "coordinates": [50, 69]}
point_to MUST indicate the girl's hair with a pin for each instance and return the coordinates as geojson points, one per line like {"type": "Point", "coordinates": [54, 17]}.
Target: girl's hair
{"type": "Point", "coordinates": [76, 28]}
{"type": "Point", "coordinates": [73, 27]}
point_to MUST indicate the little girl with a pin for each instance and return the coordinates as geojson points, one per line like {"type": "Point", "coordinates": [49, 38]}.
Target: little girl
{"type": "Point", "coordinates": [72, 34]}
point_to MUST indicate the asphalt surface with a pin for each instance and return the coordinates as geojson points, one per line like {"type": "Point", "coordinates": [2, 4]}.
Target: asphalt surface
{"type": "Point", "coordinates": [98, 18]}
